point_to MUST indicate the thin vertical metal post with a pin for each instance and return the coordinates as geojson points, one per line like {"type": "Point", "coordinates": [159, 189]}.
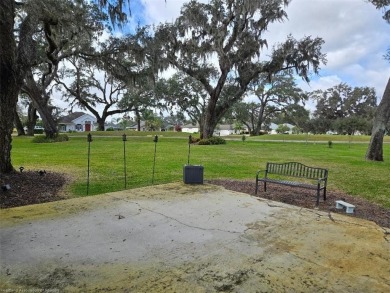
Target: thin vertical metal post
{"type": "Point", "coordinates": [189, 149]}
{"type": "Point", "coordinates": [89, 139]}
{"type": "Point", "coordinates": [154, 160]}
{"type": "Point", "coordinates": [124, 157]}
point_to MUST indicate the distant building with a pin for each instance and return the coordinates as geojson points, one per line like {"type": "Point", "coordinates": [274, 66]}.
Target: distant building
{"type": "Point", "coordinates": [134, 127]}
{"type": "Point", "coordinates": [190, 128]}
{"type": "Point", "coordinates": [77, 121]}
{"type": "Point", "coordinates": [220, 130]}
{"type": "Point", "coordinates": [224, 130]}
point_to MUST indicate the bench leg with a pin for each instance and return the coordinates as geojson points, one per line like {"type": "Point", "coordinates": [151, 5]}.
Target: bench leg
{"type": "Point", "coordinates": [324, 193]}
{"type": "Point", "coordinates": [257, 186]}
{"type": "Point", "coordinates": [265, 186]}
{"type": "Point", "coordinates": [318, 197]}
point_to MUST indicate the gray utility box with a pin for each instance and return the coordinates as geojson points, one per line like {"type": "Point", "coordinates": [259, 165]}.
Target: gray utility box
{"type": "Point", "coordinates": [193, 174]}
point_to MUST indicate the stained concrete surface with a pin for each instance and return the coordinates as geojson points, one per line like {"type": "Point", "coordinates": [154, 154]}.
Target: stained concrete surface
{"type": "Point", "coordinates": [185, 238]}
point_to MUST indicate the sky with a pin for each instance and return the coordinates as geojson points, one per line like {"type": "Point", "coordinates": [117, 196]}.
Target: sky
{"type": "Point", "coordinates": [355, 34]}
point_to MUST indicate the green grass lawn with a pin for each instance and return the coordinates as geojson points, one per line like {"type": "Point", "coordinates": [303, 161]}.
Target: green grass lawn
{"type": "Point", "coordinates": [348, 170]}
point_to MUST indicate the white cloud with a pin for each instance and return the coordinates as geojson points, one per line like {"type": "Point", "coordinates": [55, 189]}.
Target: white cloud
{"type": "Point", "coordinates": [321, 83]}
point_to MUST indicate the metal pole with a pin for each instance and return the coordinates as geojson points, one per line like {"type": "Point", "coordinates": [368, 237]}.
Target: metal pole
{"type": "Point", "coordinates": [89, 139]}
{"type": "Point", "coordinates": [154, 160]}
{"type": "Point", "coordinates": [189, 148]}
{"type": "Point", "coordinates": [124, 157]}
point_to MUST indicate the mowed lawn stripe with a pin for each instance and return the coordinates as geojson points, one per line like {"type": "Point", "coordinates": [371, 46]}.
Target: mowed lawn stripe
{"type": "Point", "coordinates": [348, 169]}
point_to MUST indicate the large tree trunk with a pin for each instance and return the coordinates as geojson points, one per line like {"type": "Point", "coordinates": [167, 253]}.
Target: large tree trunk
{"type": "Point", "coordinates": [8, 83]}
{"type": "Point", "coordinates": [382, 116]}
{"type": "Point", "coordinates": [138, 119]}
{"type": "Point", "coordinates": [210, 121]}
{"type": "Point", "coordinates": [14, 61]}
{"type": "Point", "coordinates": [18, 124]}
{"type": "Point", "coordinates": [32, 118]}
{"type": "Point", "coordinates": [49, 124]}
{"type": "Point", "coordinates": [100, 122]}
{"type": "Point", "coordinates": [40, 102]}
{"type": "Point", "coordinates": [260, 119]}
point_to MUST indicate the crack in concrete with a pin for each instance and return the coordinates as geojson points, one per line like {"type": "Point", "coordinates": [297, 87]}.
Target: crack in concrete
{"type": "Point", "coordinates": [329, 215]}
{"type": "Point", "coordinates": [386, 234]}
{"type": "Point", "coordinates": [180, 222]}
{"type": "Point", "coordinates": [273, 206]}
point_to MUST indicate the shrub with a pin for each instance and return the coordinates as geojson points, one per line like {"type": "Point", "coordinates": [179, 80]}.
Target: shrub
{"type": "Point", "coordinates": [110, 129]}
{"type": "Point", "coordinates": [217, 140]}
{"type": "Point", "coordinates": [204, 142]}
{"type": "Point", "coordinates": [195, 139]}
{"type": "Point", "coordinates": [44, 139]}
{"type": "Point", "coordinates": [212, 140]}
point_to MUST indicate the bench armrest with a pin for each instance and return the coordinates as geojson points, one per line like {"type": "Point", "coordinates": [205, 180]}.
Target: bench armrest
{"type": "Point", "coordinates": [258, 172]}
{"type": "Point", "coordinates": [325, 179]}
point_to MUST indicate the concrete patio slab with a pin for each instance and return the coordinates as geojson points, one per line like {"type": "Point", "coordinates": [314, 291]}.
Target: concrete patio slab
{"type": "Point", "coordinates": [189, 238]}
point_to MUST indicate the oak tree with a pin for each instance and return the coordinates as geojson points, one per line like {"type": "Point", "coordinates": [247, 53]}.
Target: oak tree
{"type": "Point", "coordinates": [219, 43]}
{"type": "Point", "coordinates": [23, 25]}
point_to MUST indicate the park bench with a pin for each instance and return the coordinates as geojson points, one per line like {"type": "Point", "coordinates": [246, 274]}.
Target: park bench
{"type": "Point", "coordinates": [309, 177]}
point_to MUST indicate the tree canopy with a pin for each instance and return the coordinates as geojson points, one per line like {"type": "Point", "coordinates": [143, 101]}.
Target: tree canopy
{"type": "Point", "coordinates": [220, 43]}
{"type": "Point", "coordinates": [32, 33]}
{"type": "Point", "coordinates": [272, 98]}
{"type": "Point", "coordinates": [344, 109]}
{"type": "Point", "coordinates": [384, 5]}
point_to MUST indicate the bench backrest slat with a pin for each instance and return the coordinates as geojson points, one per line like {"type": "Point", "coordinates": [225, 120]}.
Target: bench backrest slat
{"type": "Point", "coordinates": [296, 169]}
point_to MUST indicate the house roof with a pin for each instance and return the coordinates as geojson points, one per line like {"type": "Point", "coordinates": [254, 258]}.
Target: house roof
{"type": "Point", "coordinates": [190, 126]}
{"type": "Point", "coordinates": [275, 126]}
{"type": "Point", "coordinates": [69, 118]}
{"type": "Point", "coordinates": [225, 127]}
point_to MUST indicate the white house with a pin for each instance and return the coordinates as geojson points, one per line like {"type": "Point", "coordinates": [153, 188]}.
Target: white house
{"type": "Point", "coordinates": [220, 130]}
{"type": "Point", "coordinates": [134, 127]}
{"type": "Point", "coordinates": [224, 130]}
{"type": "Point", "coordinates": [77, 121]}
{"type": "Point", "coordinates": [190, 128]}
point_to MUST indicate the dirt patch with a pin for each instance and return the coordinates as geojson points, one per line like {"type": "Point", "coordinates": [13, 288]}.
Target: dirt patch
{"type": "Point", "coordinates": [306, 198]}
{"type": "Point", "coordinates": [31, 188]}
{"type": "Point", "coordinates": [34, 187]}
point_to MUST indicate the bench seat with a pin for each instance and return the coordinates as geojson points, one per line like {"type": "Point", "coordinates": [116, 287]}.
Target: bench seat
{"type": "Point", "coordinates": [318, 177]}
{"type": "Point", "coordinates": [289, 183]}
